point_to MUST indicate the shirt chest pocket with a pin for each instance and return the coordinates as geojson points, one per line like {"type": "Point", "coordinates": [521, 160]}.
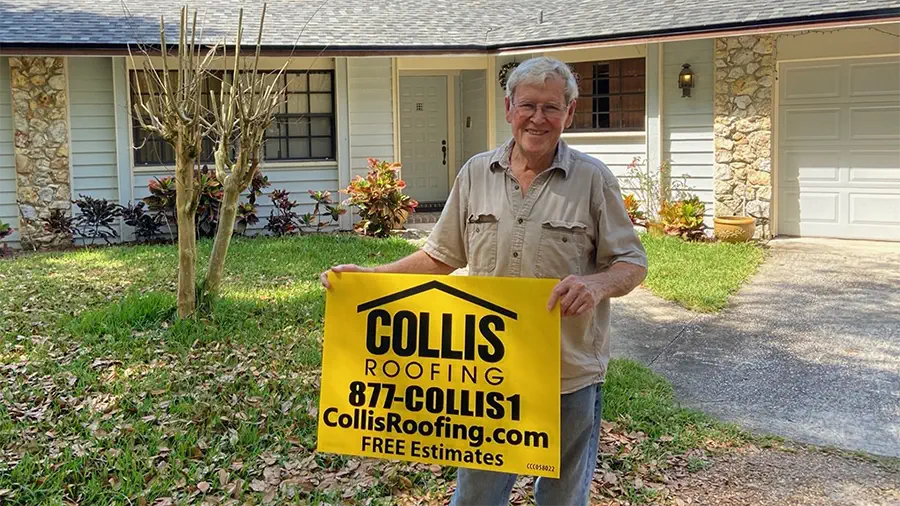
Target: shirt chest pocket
{"type": "Point", "coordinates": [481, 231]}
{"type": "Point", "coordinates": [560, 249]}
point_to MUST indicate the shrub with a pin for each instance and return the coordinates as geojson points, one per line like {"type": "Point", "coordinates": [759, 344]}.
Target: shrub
{"type": "Point", "coordinates": [282, 219]}
{"type": "Point", "coordinates": [256, 187]}
{"type": "Point", "coordinates": [211, 193]}
{"type": "Point", "coordinates": [684, 218]}
{"type": "Point", "coordinates": [633, 207]}
{"type": "Point", "coordinates": [58, 223]}
{"type": "Point", "coordinates": [380, 200]}
{"type": "Point", "coordinates": [246, 217]}
{"type": "Point", "coordinates": [247, 211]}
{"type": "Point", "coordinates": [96, 218]}
{"type": "Point", "coordinates": [146, 226]}
{"type": "Point", "coordinates": [5, 230]}
{"type": "Point", "coordinates": [162, 201]}
{"type": "Point", "coordinates": [653, 188]}
{"type": "Point", "coordinates": [331, 210]}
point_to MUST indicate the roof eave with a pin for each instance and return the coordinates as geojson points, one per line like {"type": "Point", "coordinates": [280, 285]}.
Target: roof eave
{"type": "Point", "coordinates": [12, 49]}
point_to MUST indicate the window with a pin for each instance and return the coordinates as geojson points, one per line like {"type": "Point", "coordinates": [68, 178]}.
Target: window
{"type": "Point", "coordinates": [150, 149]}
{"type": "Point", "coordinates": [303, 128]}
{"type": "Point", "coordinates": [611, 95]}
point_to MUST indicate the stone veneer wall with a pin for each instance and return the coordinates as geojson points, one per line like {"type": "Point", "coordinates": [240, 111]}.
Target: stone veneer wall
{"type": "Point", "coordinates": [745, 77]}
{"type": "Point", "coordinates": [40, 118]}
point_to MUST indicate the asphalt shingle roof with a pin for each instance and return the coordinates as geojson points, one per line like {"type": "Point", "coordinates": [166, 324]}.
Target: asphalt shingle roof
{"type": "Point", "coordinates": [407, 24]}
{"type": "Point", "coordinates": [588, 19]}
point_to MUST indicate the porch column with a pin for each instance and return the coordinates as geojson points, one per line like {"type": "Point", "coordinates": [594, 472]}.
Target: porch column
{"type": "Point", "coordinates": [123, 141]}
{"type": "Point", "coordinates": [41, 121]}
{"type": "Point", "coordinates": [745, 76]}
{"type": "Point", "coordinates": [654, 89]}
{"type": "Point", "coordinates": [341, 77]}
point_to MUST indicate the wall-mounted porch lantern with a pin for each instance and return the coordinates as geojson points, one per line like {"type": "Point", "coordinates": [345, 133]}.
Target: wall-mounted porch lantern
{"type": "Point", "coordinates": [686, 80]}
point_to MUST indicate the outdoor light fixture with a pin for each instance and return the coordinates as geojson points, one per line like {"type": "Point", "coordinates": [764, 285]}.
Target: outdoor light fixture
{"type": "Point", "coordinates": [686, 80]}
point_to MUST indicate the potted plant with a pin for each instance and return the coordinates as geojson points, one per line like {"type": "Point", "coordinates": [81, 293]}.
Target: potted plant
{"type": "Point", "coordinates": [735, 228]}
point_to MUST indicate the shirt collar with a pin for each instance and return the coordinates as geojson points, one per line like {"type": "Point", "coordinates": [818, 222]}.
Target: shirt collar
{"type": "Point", "coordinates": [562, 160]}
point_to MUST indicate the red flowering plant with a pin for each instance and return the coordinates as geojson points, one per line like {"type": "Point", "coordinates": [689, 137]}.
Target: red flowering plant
{"type": "Point", "coordinates": [380, 200]}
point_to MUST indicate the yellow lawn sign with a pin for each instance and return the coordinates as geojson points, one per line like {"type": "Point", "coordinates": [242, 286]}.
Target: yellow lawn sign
{"type": "Point", "coordinates": [450, 370]}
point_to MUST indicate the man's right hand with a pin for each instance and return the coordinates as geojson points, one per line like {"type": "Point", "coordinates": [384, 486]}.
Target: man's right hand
{"type": "Point", "coordinates": [323, 278]}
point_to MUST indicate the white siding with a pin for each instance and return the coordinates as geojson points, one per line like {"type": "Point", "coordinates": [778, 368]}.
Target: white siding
{"type": "Point", "coordinates": [613, 150]}
{"type": "Point", "coordinates": [474, 105]}
{"type": "Point", "coordinates": [688, 122]}
{"type": "Point", "coordinates": [8, 211]}
{"type": "Point", "coordinates": [93, 126]}
{"type": "Point", "coordinates": [296, 181]}
{"type": "Point", "coordinates": [371, 112]}
{"type": "Point", "coordinates": [92, 122]}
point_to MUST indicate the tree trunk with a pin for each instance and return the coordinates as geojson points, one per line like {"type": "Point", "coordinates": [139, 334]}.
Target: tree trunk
{"type": "Point", "coordinates": [187, 236]}
{"type": "Point", "coordinates": [227, 214]}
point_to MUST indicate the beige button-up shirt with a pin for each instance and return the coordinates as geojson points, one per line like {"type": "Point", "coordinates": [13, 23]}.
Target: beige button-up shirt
{"type": "Point", "coordinates": [570, 221]}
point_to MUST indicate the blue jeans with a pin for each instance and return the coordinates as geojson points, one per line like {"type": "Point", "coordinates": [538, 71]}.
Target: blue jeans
{"type": "Point", "coordinates": [580, 427]}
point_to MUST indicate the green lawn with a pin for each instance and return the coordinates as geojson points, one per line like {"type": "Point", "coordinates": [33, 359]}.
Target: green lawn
{"type": "Point", "coordinates": [107, 399]}
{"type": "Point", "coordinates": [699, 276]}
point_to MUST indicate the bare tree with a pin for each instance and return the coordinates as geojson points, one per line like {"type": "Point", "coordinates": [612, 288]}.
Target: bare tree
{"type": "Point", "coordinates": [245, 108]}
{"type": "Point", "coordinates": [172, 109]}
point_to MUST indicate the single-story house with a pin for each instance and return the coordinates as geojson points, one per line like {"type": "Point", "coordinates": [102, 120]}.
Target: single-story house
{"type": "Point", "coordinates": [793, 118]}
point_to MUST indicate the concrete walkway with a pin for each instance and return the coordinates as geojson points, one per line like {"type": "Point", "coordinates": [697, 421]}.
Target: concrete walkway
{"type": "Point", "coordinates": [809, 349]}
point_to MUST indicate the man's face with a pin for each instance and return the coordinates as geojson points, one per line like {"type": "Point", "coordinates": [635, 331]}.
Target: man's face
{"type": "Point", "coordinates": [538, 115]}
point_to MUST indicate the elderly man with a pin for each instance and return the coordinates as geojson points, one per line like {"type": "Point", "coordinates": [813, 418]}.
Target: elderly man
{"type": "Point", "coordinates": [535, 207]}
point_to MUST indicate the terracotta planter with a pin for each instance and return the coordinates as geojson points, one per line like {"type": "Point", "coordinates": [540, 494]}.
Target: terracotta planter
{"type": "Point", "coordinates": [734, 228]}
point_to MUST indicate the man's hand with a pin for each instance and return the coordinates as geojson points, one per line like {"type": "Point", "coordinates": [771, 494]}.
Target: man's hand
{"type": "Point", "coordinates": [576, 296]}
{"type": "Point", "coordinates": [323, 278]}
{"type": "Point", "coordinates": [415, 263]}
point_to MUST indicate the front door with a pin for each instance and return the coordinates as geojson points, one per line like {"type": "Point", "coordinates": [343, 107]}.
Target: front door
{"type": "Point", "coordinates": [423, 137]}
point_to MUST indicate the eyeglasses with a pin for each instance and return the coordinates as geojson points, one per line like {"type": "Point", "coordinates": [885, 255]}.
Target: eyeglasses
{"type": "Point", "coordinates": [550, 111]}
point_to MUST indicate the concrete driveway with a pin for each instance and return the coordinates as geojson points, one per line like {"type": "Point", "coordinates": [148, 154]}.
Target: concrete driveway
{"type": "Point", "coordinates": [809, 349]}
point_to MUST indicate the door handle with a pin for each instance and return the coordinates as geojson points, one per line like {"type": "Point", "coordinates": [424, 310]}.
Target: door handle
{"type": "Point", "coordinates": [444, 150]}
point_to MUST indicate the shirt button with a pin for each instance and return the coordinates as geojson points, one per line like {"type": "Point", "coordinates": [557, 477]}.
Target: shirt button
{"type": "Point", "coordinates": [477, 229]}
{"type": "Point", "coordinates": [517, 187]}
{"type": "Point", "coordinates": [565, 239]}
{"type": "Point", "coordinates": [520, 221]}
{"type": "Point", "coordinates": [516, 254]}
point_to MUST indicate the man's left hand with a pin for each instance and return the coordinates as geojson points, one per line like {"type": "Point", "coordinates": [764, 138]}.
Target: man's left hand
{"type": "Point", "coordinates": [576, 296]}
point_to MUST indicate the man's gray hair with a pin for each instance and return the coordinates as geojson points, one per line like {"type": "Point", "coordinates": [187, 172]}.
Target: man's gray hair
{"type": "Point", "coordinates": [538, 71]}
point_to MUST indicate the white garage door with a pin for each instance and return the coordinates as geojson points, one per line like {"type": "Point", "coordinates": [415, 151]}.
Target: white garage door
{"type": "Point", "coordinates": [839, 149]}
